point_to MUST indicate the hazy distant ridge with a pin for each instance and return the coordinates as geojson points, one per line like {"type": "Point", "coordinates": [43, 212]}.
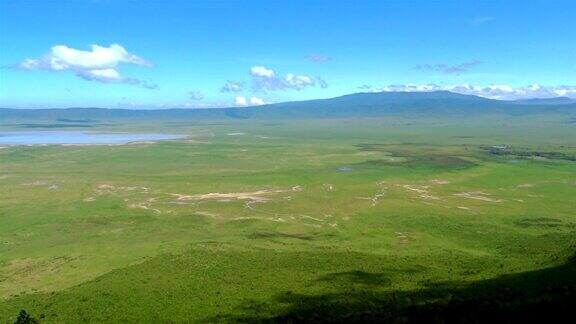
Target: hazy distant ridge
{"type": "Point", "coordinates": [354, 105]}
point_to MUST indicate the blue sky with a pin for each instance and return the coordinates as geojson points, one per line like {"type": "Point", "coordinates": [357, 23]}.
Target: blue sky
{"type": "Point", "coordinates": [160, 53]}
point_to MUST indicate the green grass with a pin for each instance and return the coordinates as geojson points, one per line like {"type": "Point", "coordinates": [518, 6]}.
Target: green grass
{"type": "Point", "coordinates": [97, 233]}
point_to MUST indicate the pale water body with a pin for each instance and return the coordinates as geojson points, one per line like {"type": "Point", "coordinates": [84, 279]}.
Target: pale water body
{"type": "Point", "coordinates": [87, 138]}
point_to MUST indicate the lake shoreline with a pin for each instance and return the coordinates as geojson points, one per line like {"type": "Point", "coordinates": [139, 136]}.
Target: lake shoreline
{"type": "Point", "coordinates": [81, 138]}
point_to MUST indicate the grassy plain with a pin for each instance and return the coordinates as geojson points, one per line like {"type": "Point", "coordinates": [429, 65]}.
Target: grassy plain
{"type": "Point", "coordinates": [256, 220]}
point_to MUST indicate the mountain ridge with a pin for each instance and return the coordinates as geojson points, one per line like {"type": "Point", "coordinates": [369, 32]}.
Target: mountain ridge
{"type": "Point", "coordinates": [548, 101]}
{"type": "Point", "coordinates": [362, 104]}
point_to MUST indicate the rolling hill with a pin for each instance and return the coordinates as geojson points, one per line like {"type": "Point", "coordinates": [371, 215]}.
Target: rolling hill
{"type": "Point", "coordinates": [438, 103]}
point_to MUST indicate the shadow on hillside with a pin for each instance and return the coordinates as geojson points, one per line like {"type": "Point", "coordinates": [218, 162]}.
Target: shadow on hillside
{"type": "Point", "coordinates": [546, 295]}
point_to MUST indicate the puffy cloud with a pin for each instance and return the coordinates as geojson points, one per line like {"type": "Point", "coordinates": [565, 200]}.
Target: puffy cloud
{"type": "Point", "coordinates": [98, 64]}
{"type": "Point", "coordinates": [566, 91]}
{"type": "Point", "coordinates": [141, 83]}
{"type": "Point", "coordinates": [509, 92]}
{"type": "Point", "coordinates": [240, 101]}
{"type": "Point", "coordinates": [496, 91]}
{"type": "Point", "coordinates": [232, 86]}
{"type": "Point", "coordinates": [322, 83]}
{"type": "Point", "coordinates": [62, 57]}
{"type": "Point", "coordinates": [257, 101]}
{"type": "Point", "coordinates": [298, 81]}
{"type": "Point", "coordinates": [243, 101]}
{"type": "Point", "coordinates": [261, 71]}
{"type": "Point", "coordinates": [196, 95]}
{"type": "Point", "coordinates": [265, 79]}
{"type": "Point", "coordinates": [409, 88]}
{"type": "Point", "coordinates": [318, 58]}
{"type": "Point", "coordinates": [103, 75]}
{"type": "Point", "coordinates": [449, 69]}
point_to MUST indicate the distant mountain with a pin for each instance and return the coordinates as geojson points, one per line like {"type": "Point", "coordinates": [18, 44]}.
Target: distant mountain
{"type": "Point", "coordinates": [547, 101]}
{"type": "Point", "coordinates": [438, 103]}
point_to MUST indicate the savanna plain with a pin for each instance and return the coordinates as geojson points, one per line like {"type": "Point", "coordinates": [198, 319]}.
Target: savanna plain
{"type": "Point", "coordinates": [254, 220]}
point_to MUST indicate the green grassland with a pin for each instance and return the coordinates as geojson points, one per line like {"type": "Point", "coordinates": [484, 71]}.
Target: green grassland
{"type": "Point", "coordinates": [259, 220]}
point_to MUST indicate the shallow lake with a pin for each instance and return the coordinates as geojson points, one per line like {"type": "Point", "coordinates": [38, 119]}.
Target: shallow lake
{"type": "Point", "coordinates": [49, 137]}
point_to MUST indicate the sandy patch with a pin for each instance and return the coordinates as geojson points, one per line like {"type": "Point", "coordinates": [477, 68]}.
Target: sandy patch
{"type": "Point", "coordinates": [418, 189]}
{"type": "Point", "coordinates": [312, 225]}
{"type": "Point", "coordinates": [249, 204]}
{"type": "Point", "coordinates": [273, 219]}
{"type": "Point", "coordinates": [207, 214]}
{"type": "Point", "coordinates": [374, 199]}
{"type": "Point", "coordinates": [440, 181]}
{"type": "Point", "coordinates": [525, 185]}
{"type": "Point", "coordinates": [477, 195]}
{"type": "Point", "coordinates": [377, 197]}
{"type": "Point", "coordinates": [428, 196]}
{"type": "Point", "coordinates": [312, 218]}
{"type": "Point", "coordinates": [145, 205]}
{"type": "Point", "coordinates": [108, 189]}
{"type": "Point", "coordinates": [40, 183]}
{"type": "Point", "coordinates": [258, 196]}
{"type": "Point", "coordinates": [402, 238]}
{"type": "Point", "coordinates": [35, 183]}
{"type": "Point", "coordinates": [422, 191]}
{"type": "Point", "coordinates": [253, 196]}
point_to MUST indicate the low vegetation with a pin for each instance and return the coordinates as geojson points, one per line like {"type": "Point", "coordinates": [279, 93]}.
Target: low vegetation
{"type": "Point", "coordinates": [351, 220]}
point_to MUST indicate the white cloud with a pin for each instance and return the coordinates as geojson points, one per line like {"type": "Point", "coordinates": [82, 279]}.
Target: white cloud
{"type": "Point", "coordinates": [261, 71]}
{"type": "Point", "coordinates": [265, 79]}
{"type": "Point", "coordinates": [240, 101]}
{"type": "Point", "coordinates": [98, 64]}
{"type": "Point", "coordinates": [495, 91]}
{"type": "Point", "coordinates": [62, 57]}
{"type": "Point", "coordinates": [566, 91]}
{"type": "Point", "coordinates": [504, 91]}
{"type": "Point", "coordinates": [103, 75]}
{"type": "Point", "coordinates": [243, 101]}
{"type": "Point", "coordinates": [257, 101]}
{"type": "Point", "coordinates": [318, 58]}
{"type": "Point", "coordinates": [321, 82]}
{"type": "Point", "coordinates": [232, 86]}
{"type": "Point", "coordinates": [450, 69]}
{"type": "Point", "coordinates": [409, 88]}
{"type": "Point", "coordinates": [196, 95]}
{"type": "Point", "coordinates": [298, 81]}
